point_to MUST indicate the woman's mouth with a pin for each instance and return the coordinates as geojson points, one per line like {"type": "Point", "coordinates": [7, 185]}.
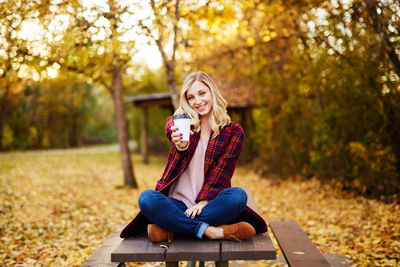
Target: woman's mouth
{"type": "Point", "coordinates": [201, 108]}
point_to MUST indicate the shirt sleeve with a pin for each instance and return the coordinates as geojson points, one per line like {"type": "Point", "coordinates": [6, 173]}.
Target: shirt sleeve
{"type": "Point", "coordinates": [172, 153]}
{"type": "Point", "coordinates": [222, 172]}
{"type": "Point", "coordinates": [168, 132]}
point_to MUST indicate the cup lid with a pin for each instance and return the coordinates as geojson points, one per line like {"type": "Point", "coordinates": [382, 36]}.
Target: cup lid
{"type": "Point", "coordinates": [182, 116]}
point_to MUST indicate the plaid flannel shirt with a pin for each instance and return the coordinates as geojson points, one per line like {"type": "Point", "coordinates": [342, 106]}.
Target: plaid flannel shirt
{"type": "Point", "coordinates": [221, 157]}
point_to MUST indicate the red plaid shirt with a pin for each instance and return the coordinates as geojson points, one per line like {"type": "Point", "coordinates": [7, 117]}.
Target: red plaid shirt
{"type": "Point", "coordinates": [221, 157]}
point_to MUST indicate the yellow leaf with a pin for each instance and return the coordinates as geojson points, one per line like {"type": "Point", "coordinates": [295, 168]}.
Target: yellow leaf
{"type": "Point", "coordinates": [250, 41]}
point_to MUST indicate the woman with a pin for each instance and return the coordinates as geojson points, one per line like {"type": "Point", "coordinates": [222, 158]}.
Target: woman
{"type": "Point", "coordinates": [194, 196]}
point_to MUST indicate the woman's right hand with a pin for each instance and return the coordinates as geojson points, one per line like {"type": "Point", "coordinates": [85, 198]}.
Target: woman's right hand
{"type": "Point", "coordinates": [177, 138]}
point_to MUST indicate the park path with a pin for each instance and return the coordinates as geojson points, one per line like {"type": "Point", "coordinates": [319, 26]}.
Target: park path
{"type": "Point", "coordinates": [80, 150]}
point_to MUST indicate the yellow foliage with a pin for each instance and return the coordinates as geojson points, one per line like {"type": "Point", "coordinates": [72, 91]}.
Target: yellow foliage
{"type": "Point", "coordinates": [250, 41]}
{"type": "Point", "coordinates": [266, 38]}
{"type": "Point", "coordinates": [7, 135]}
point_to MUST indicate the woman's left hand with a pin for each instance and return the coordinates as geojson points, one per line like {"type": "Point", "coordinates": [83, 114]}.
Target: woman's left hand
{"type": "Point", "coordinates": [196, 209]}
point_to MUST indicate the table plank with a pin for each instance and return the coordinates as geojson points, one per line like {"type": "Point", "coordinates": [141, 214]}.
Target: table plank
{"type": "Point", "coordinates": [192, 249]}
{"type": "Point", "coordinates": [259, 247]}
{"type": "Point", "coordinates": [138, 249]}
{"type": "Point", "coordinates": [297, 248]}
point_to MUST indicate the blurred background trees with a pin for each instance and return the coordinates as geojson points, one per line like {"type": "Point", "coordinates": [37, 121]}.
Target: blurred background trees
{"type": "Point", "coordinates": [326, 74]}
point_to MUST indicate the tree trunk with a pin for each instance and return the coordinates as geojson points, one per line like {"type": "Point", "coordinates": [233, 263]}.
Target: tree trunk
{"type": "Point", "coordinates": [144, 135]}
{"type": "Point", "coordinates": [381, 32]}
{"type": "Point", "coordinates": [2, 115]}
{"type": "Point", "coordinates": [73, 140]}
{"type": "Point", "coordinates": [3, 112]}
{"type": "Point", "coordinates": [172, 86]}
{"type": "Point", "coordinates": [169, 64]}
{"type": "Point", "coordinates": [392, 128]}
{"type": "Point", "coordinates": [122, 131]}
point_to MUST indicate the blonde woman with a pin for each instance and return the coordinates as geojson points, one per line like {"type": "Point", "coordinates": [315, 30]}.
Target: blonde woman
{"type": "Point", "coordinates": [194, 195]}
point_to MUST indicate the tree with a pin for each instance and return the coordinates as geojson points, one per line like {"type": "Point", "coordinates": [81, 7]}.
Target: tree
{"type": "Point", "coordinates": [118, 66]}
{"type": "Point", "coordinates": [95, 47]}
{"type": "Point", "coordinates": [162, 28]}
{"type": "Point", "coordinates": [326, 80]}
{"type": "Point", "coordinates": [14, 51]}
{"type": "Point", "coordinates": [387, 27]}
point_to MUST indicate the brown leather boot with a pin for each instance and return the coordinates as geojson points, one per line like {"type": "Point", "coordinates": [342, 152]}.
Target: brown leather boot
{"type": "Point", "coordinates": [158, 234]}
{"type": "Point", "coordinates": [238, 231]}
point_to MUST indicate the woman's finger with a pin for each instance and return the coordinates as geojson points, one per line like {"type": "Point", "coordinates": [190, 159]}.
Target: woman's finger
{"type": "Point", "coordinates": [176, 139]}
{"type": "Point", "coordinates": [195, 210]}
{"type": "Point", "coordinates": [189, 211]}
{"type": "Point", "coordinates": [195, 213]}
{"type": "Point", "coordinates": [176, 136]}
{"type": "Point", "coordinates": [199, 210]}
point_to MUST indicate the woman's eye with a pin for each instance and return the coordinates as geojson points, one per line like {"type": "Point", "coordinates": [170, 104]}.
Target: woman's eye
{"type": "Point", "coordinates": [202, 93]}
{"type": "Point", "coordinates": [190, 97]}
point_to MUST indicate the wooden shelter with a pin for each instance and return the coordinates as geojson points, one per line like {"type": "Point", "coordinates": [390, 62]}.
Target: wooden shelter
{"type": "Point", "coordinates": [240, 98]}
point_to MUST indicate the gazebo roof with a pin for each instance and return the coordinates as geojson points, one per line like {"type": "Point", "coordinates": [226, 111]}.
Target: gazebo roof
{"type": "Point", "coordinates": [237, 95]}
{"type": "Point", "coordinates": [157, 99]}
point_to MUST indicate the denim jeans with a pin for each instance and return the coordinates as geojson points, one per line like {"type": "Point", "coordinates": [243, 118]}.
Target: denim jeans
{"type": "Point", "coordinates": [169, 213]}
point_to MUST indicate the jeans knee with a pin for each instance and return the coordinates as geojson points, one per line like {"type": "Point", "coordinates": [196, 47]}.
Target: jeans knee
{"type": "Point", "coordinates": [239, 198]}
{"type": "Point", "coordinates": [146, 199]}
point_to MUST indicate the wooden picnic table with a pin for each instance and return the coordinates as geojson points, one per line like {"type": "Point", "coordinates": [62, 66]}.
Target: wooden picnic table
{"type": "Point", "coordinates": [297, 248]}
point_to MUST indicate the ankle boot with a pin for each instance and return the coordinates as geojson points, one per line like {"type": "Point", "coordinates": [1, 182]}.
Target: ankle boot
{"type": "Point", "coordinates": [158, 234]}
{"type": "Point", "coordinates": [238, 231]}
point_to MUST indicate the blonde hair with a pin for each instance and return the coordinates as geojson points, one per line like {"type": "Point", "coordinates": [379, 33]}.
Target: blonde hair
{"type": "Point", "coordinates": [219, 115]}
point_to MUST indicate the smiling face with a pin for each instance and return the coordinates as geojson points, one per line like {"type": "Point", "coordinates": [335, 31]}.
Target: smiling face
{"type": "Point", "coordinates": [199, 98]}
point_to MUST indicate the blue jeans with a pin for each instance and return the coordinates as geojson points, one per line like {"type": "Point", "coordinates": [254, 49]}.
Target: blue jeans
{"type": "Point", "coordinates": [169, 213]}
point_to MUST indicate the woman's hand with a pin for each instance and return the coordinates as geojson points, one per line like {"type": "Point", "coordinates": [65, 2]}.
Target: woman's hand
{"type": "Point", "coordinates": [177, 138]}
{"type": "Point", "coordinates": [196, 209]}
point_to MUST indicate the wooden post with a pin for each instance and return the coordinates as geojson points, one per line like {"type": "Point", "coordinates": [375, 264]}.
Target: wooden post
{"type": "Point", "coordinates": [243, 119]}
{"type": "Point", "coordinates": [144, 135]}
{"type": "Point", "coordinates": [222, 264]}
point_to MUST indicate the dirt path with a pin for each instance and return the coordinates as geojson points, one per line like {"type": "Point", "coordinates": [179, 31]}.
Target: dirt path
{"type": "Point", "coordinates": [81, 150]}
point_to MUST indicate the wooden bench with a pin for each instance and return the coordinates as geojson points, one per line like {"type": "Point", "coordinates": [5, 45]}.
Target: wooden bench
{"type": "Point", "coordinates": [297, 248]}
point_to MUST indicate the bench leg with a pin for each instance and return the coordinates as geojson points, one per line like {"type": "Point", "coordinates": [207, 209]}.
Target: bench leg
{"type": "Point", "coordinates": [171, 263]}
{"type": "Point", "coordinates": [193, 264]}
{"type": "Point", "coordinates": [222, 264]}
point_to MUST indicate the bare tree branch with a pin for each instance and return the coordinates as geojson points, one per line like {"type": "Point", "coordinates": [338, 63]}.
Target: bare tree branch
{"type": "Point", "coordinates": [175, 31]}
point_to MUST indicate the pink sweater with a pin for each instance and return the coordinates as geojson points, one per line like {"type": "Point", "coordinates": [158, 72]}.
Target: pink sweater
{"type": "Point", "coordinates": [189, 184]}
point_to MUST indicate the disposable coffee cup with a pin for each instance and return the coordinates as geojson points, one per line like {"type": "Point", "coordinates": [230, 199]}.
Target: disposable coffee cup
{"type": "Point", "coordinates": [182, 122]}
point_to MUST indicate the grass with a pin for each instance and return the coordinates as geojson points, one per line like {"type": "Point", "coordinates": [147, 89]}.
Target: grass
{"type": "Point", "coordinates": [56, 210]}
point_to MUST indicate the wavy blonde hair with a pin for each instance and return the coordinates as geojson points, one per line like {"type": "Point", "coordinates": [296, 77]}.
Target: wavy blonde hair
{"type": "Point", "coordinates": [219, 115]}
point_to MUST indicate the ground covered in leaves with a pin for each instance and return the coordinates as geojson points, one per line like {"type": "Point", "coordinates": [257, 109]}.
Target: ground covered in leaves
{"type": "Point", "coordinates": [55, 210]}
